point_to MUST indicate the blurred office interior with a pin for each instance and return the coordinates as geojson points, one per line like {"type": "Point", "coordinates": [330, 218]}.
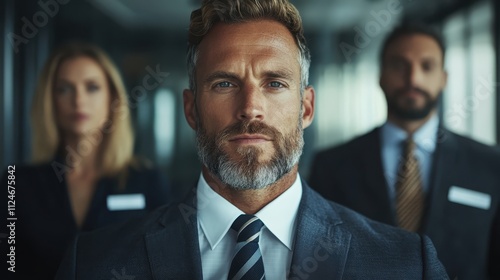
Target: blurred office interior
{"type": "Point", "coordinates": [344, 37]}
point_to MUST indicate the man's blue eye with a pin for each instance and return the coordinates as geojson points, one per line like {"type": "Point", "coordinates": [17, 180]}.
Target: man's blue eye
{"type": "Point", "coordinates": [224, 84]}
{"type": "Point", "coordinates": [275, 84]}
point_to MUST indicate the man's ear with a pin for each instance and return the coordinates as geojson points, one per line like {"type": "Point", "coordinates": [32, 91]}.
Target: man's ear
{"type": "Point", "coordinates": [189, 108]}
{"type": "Point", "coordinates": [445, 79]}
{"type": "Point", "coordinates": [308, 106]}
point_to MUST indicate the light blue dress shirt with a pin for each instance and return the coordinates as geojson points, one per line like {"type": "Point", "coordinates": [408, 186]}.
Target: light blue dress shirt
{"type": "Point", "coordinates": [392, 140]}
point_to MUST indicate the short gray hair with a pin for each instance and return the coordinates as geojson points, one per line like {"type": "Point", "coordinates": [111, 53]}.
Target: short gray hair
{"type": "Point", "coordinates": [234, 11]}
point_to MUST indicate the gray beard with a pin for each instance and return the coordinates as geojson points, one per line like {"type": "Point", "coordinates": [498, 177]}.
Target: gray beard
{"type": "Point", "coordinates": [247, 173]}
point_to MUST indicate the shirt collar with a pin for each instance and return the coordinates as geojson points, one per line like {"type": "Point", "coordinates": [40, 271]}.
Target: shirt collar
{"type": "Point", "coordinates": [425, 137]}
{"type": "Point", "coordinates": [280, 215]}
{"type": "Point", "coordinates": [216, 214]}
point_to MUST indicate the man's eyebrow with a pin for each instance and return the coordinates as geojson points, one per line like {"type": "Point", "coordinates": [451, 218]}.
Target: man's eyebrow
{"type": "Point", "coordinates": [396, 57]}
{"type": "Point", "coordinates": [220, 75]}
{"type": "Point", "coordinates": [283, 74]}
{"type": "Point", "coordinates": [430, 59]}
{"type": "Point", "coordinates": [402, 57]}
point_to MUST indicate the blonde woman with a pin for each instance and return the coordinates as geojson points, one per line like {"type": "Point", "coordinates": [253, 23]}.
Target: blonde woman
{"type": "Point", "coordinates": [85, 176]}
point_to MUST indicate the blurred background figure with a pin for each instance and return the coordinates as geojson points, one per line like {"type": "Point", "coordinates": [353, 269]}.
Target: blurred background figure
{"type": "Point", "coordinates": [85, 175]}
{"type": "Point", "coordinates": [412, 172]}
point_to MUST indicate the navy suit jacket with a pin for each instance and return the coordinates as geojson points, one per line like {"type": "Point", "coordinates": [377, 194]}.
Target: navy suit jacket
{"type": "Point", "coordinates": [331, 242]}
{"type": "Point", "coordinates": [466, 238]}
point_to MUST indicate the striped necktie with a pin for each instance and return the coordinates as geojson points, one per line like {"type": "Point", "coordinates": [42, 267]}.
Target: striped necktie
{"type": "Point", "coordinates": [247, 261]}
{"type": "Point", "coordinates": [409, 192]}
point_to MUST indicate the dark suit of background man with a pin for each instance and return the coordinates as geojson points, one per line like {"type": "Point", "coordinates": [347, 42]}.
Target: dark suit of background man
{"type": "Point", "coordinates": [446, 186]}
{"type": "Point", "coordinates": [251, 215]}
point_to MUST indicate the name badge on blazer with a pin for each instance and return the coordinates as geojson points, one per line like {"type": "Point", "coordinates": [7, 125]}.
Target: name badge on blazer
{"type": "Point", "coordinates": [117, 202]}
{"type": "Point", "coordinates": [469, 197]}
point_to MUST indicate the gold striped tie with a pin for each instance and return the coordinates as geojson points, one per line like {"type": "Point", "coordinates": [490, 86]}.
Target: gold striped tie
{"type": "Point", "coordinates": [409, 193]}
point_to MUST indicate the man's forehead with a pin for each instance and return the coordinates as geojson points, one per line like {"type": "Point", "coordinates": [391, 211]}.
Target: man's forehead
{"type": "Point", "coordinates": [262, 32]}
{"type": "Point", "coordinates": [415, 45]}
{"type": "Point", "coordinates": [267, 40]}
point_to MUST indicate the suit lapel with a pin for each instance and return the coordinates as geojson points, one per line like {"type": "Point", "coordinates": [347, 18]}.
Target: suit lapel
{"type": "Point", "coordinates": [321, 241]}
{"type": "Point", "coordinates": [179, 259]}
{"type": "Point", "coordinates": [376, 184]}
{"type": "Point", "coordinates": [445, 159]}
{"type": "Point", "coordinates": [320, 248]}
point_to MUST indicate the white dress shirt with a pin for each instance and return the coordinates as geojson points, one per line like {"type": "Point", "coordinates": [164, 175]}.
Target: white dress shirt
{"type": "Point", "coordinates": [217, 240]}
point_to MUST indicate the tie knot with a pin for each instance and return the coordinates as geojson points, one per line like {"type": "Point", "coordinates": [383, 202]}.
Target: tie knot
{"type": "Point", "coordinates": [409, 145]}
{"type": "Point", "coordinates": [248, 228]}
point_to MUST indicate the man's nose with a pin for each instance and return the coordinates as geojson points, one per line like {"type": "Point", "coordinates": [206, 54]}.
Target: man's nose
{"type": "Point", "coordinates": [251, 103]}
{"type": "Point", "coordinates": [414, 76]}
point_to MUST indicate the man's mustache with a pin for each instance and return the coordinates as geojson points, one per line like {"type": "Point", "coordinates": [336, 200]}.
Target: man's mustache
{"type": "Point", "coordinates": [413, 89]}
{"type": "Point", "coordinates": [245, 127]}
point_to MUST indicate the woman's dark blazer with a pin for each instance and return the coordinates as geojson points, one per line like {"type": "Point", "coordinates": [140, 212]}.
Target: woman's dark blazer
{"type": "Point", "coordinates": [44, 224]}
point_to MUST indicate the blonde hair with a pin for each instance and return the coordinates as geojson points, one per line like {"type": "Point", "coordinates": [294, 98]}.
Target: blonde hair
{"type": "Point", "coordinates": [116, 137]}
{"type": "Point", "coordinates": [234, 11]}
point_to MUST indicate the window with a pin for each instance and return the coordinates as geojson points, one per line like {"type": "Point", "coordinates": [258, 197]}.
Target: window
{"type": "Point", "coordinates": [349, 102]}
{"type": "Point", "coordinates": [469, 98]}
{"type": "Point", "coordinates": [164, 125]}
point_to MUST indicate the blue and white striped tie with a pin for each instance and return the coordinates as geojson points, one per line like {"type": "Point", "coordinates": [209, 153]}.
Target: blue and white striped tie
{"type": "Point", "coordinates": [247, 261]}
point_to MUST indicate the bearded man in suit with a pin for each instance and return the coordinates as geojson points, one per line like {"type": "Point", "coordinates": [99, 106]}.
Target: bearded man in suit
{"type": "Point", "coordinates": [412, 172]}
